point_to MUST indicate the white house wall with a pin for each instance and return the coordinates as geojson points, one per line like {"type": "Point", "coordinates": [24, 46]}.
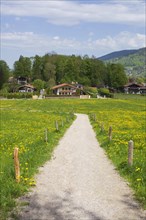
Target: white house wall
{"type": "Point", "coordinates": [65, 91]}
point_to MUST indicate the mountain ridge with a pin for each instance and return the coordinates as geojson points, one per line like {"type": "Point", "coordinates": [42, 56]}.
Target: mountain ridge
{"type": "Point", "coordinates": [118, 54]}
{"type": "Point", "coordinates": [134, 61]}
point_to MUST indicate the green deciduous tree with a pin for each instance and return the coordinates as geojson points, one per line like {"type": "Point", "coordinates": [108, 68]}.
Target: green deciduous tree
{"type": "Point", "coordinates": [37, 68]}
{"type": "Point", "coordinates": [4, 72]}
{"type": "Point", "coordinates": [116, 75]}
{"type": "Point", "coordinates": [39, 84]}
{"type": "Point", "coordinates": [55, 69]}
{"type": "Point", "coordinates": [22, 67]}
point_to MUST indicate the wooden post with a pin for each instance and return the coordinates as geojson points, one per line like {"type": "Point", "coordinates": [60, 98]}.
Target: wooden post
{"type": "Point", "coordinates": [56, 125]}
{"type": "Point", "coordinates": [16, 164]}
{"type": "Point", "coordinates": [62, 123]}
{"type": "Point", "coordinates": [130, 152]}
{"type": "Point", "coordinates": [102, 127]}
{"type": "Point", "coordinates": [46, 135]}
{"type": "Point", "coordinates": [90, 115]}
{"type": "Point", "coordinates": [72, 115]}
{"type": "Point", "coordinates": [110, 133]}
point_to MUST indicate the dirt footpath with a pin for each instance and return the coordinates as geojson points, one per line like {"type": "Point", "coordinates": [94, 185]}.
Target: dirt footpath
{"type": "Point", "coordinates": [80, 183]}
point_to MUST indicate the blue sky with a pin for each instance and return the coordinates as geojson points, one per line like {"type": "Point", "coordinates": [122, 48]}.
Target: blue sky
{"type": "Point", "coordinates": [70, 27]}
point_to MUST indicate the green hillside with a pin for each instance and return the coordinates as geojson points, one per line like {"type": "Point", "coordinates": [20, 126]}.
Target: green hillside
{"type": "Point", "coordinates": [135, 63]}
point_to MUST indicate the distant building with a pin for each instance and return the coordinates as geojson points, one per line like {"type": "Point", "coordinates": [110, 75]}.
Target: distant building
{"type": "Point", "coordinates": [26, 88]}
{"type": "Point", "coordinates": [134, 88]}
{"type": "Point", "coordinates": [67, 90]}
{"type": "Point", "coordinates": [77, 85]}
{"type": "Point", "coordinates": [22, 80]}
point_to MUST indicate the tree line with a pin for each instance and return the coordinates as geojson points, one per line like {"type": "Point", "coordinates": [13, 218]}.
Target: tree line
{"type": "Point", "coordinates": [52, 69]}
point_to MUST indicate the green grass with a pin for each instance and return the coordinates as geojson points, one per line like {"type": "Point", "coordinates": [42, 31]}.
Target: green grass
{"type": "Point", "coordinates": [23, 123]}
{"type": "Point", "coordinates": [129, 96]}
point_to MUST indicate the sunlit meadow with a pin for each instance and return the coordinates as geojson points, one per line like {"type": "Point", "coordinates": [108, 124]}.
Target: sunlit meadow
{"type": "Point", "coordinates": [23, 125]}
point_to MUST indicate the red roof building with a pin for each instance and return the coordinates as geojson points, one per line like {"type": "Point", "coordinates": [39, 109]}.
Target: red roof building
{"type": "Point", "coordinates": [64, 89]}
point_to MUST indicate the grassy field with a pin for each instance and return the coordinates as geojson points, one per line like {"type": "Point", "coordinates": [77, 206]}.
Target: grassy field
{"type": "Point", "coordinates": [23, 123]}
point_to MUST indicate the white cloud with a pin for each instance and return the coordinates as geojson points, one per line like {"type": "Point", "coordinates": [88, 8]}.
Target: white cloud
{"type": "Point", "coordinates": [56, 38]}
{"type": "Point", "coordinates": [17, 36]}
{"type": "Point", "coordinates": [72, 12]}
{"type": "Point", "coordinates": [123, 40]}
{"type": "Point", "coordinates": [29, 44]}
{"type": "Point", "coordinates": [29, 40]}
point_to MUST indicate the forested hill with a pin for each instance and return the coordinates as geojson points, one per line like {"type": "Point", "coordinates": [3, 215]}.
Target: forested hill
{"type": "Point", "coordinates": [54, 69]}
{"type": "Point", "coordinates": [117, 54]}
{"type": "Point", "coordinates": [134, 61]}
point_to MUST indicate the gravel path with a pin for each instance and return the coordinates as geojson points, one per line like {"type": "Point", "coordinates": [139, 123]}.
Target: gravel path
{"type": "Point", "coordinates": [80, 183]}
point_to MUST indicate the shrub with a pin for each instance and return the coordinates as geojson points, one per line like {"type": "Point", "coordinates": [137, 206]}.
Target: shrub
{"type": "Point", "coordinates": [18, 95]}
{"type": "Point", "coordinates": [105, 92]}
{"type": "Point", "coordinates": [92, 91]}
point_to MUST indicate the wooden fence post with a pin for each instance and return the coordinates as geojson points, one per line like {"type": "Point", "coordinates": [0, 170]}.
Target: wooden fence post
{"type": "Point", "coordinates": [17, 165]}
{"type": "Point", "coordinates": [62, 123]}
{"type": "Point", "coordinates": [56, 125]}
{"type": "Point", "coordinates": [46, 135]}
{"type": "Point", "coordinates": [72, 116]}
{"type": "Point", "coordinates": [110, 133]}
{"type": "Point", "coordinates": [102, 127]}
{"type": "Point", "coordinates": [130, 152]}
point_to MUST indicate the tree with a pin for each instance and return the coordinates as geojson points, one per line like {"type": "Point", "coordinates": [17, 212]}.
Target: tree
{"type": "Point", "coordinates": [37, 68]}
{"type": "Point", "coordinates": [51, 82]}
{"type": "Point", "coordinates": [22, 67]}
{"type": "Point", "coordinates": [116, 76]}
{"type": "Point", "coordinates": [49, 71]}
{"type": "Point", "coordinates": [38, 84]}
{"type": "Point", "coordinates": [4, 72]}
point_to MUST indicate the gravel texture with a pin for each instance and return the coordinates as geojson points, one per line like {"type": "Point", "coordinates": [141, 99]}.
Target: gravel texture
{"type": "Point", "coordinates": [80, 183]}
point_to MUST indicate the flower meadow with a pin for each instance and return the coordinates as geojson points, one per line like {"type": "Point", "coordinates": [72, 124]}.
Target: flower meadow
{"type": "Point", "coordinates": [23, 125]}
{"type": "Point", "coordinates": [126, 125]}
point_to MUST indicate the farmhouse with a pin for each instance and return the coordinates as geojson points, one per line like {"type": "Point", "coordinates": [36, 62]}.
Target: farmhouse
{"type": "Point", "coordinates": [134, 88]}
{"type": "Point", "coordinates": [26, 88]}
{"type": "Point", "coordinates": [67, 90]}
{"type": "Point", "coordinates": [64, 89]}
{"type": "Point", "coordinates": [22, 80]}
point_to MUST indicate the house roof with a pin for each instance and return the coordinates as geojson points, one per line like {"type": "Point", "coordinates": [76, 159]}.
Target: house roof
{"type": "Point", "coordinates": [62, 85]}
{"type": "Point", "coordinates": [133, 84]}
{"type": "Point", "coordinates": [27, 85]}
{"type": "Point", "coordinates": [143, 87]}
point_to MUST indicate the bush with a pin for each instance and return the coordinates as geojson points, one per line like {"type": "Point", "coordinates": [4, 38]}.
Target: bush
{"type": "Point", "coordinates": [92, 91]}
{"type": "Point", "coordinates": [16, 95]}
{"type": "Point", "coordinates": [105, 92]}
